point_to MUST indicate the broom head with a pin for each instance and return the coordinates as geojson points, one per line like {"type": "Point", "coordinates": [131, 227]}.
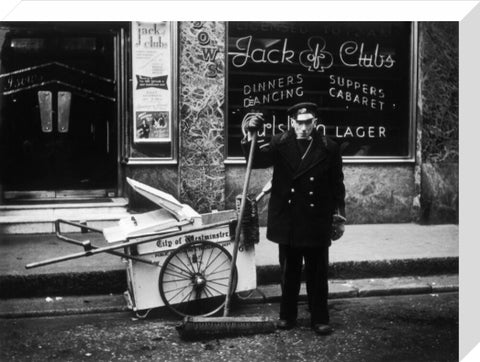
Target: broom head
{"type": "Point", "coordinates": [198, 328]}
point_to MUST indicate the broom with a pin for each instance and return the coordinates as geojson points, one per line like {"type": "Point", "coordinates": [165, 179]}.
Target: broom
{"type": "Point", "coordinates": [194, 327]}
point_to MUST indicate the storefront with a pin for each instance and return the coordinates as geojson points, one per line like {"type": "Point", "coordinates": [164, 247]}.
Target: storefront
{"type": "Point", "coordinates": [84, 105]}
{"type": "Point", "coordinates": [62, 89]}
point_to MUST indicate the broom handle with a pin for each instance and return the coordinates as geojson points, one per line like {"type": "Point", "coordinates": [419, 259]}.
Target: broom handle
{"type": "Point", "coordinates": [239, 224]}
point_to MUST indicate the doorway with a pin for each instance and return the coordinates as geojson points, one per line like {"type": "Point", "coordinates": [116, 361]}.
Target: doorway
{"type": "Point", "coordinates": [59, 120]}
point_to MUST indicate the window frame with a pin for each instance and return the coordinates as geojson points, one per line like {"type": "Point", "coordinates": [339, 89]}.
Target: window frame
{"type": "Point", "coordinates": [128, 159]}
{"type": "Point", "coordinates": [412, 100]}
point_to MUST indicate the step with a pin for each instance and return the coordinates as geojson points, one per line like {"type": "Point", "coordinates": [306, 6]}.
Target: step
{"type": "Point", "coordinates": [39, 218]}
{"type": "Point", "coordinates": [66, 208]}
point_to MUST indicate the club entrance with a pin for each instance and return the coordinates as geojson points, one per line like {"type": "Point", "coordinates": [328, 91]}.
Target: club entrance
{"type": "Point", "coordinates": [59, 114]}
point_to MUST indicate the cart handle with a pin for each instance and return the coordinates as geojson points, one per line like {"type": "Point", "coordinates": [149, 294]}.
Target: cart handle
{"type": "Point", "coordinates": [81, 226]}
{"type": "Point", "coordinates": [109, 249]}
{"type": "Point", "coordinates": [87, 246]}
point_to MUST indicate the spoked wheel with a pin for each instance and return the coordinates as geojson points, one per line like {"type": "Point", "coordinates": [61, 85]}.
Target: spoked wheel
{"type": "Point", "coordinates": [194, 279]}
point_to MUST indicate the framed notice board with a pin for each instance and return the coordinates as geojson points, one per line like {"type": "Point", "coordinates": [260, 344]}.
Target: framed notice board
{"type": "Point", "coordinates": [153, 88]}
{"type": "Point", "coordinates": [359, 73]}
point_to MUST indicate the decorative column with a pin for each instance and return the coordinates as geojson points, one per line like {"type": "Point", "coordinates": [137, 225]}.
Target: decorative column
{"type": "Point", "coordinates": [202, 95]}
{"type": "Point", "coordinates": [438, 84]}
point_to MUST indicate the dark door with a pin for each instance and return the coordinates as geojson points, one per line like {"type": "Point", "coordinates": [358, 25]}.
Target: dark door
{"type": "Point", "coordinates": [58, 104]}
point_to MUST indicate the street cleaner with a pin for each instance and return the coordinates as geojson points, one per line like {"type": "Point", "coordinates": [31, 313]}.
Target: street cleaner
{"type": "Point", "coordinates": [306, 209]}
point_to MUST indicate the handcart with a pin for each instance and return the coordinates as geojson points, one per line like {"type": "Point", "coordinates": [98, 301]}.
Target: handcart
{"type": "Point", "coordinates": [175, 257]}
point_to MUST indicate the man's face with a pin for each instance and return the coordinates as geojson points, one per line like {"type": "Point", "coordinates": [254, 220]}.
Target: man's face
{"type": "Point", "coordinates": [304, 128]}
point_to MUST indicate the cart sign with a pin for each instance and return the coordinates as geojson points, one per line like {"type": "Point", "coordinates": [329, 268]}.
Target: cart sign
{"type": "Point", "coordinates": [163, 246]}
{"type": "Point", "coordinates": [359, 74]}
{"type": "Point", "coordinates": [152, 81]}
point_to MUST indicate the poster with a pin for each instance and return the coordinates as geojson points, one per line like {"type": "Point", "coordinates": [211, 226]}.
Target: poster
{"type": "Point", "coordinates": [152, 82]}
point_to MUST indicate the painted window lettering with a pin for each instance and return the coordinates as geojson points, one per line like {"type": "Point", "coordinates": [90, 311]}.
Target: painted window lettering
{"type": "Point", "coordinates": [260, 55]}
{"type": "Point", "coordinates": [273, 90]}
{"type": "Point", "coordinates": [316, 58]}
{"type": "Point", "coordinates": [355, 92]}
{"type": "Point", "coordinates": [354, 55]}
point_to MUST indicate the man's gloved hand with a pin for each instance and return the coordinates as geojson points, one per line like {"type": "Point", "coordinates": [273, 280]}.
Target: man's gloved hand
{"type": "Point", "coordinates": [338, 227]}
{"type": "Point", "coordinates": [252, 122]}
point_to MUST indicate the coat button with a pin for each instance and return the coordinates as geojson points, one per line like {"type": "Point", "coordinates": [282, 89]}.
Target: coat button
{"type": "Point", "coordinates": [312, 205]}
{"type": "Point", "coordinates": [289, 201]}
{"type": "Point", "coordinates": [312, 178]}
{"type": "Point", "coordinates": [310, 193]}
{"type": "Point", "coordinates": [292, 190]}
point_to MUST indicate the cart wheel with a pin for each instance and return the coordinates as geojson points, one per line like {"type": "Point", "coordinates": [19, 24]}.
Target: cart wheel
{"type": "Point", "coordinates": [194, 278]}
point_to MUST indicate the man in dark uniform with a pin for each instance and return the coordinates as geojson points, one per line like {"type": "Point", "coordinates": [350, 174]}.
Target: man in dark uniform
{"type": "Point", "coordinates": [306, 208]}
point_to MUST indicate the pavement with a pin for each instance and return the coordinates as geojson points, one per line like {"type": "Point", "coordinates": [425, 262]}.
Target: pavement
{"type": "Point", "coordinates": [56, 305]}
{"type": "Point", "coordinates": [377, 259]}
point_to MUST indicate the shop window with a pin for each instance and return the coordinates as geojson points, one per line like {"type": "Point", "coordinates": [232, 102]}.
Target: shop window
{"type": "Point", "coordinates": [360, 74]}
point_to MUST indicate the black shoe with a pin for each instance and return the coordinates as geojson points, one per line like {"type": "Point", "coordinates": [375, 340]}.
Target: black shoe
{"type": "Point", "coordinates": [286, 324]}
{"type": "Point", "coordinates": [322, 329]}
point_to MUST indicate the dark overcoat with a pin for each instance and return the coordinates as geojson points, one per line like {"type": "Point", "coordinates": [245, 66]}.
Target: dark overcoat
{"type": "Point", "coordinates": [305, 192]}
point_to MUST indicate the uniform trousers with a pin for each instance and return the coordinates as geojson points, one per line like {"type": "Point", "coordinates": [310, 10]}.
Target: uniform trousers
{"type": "Point", "coordinates": [316, 275]}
